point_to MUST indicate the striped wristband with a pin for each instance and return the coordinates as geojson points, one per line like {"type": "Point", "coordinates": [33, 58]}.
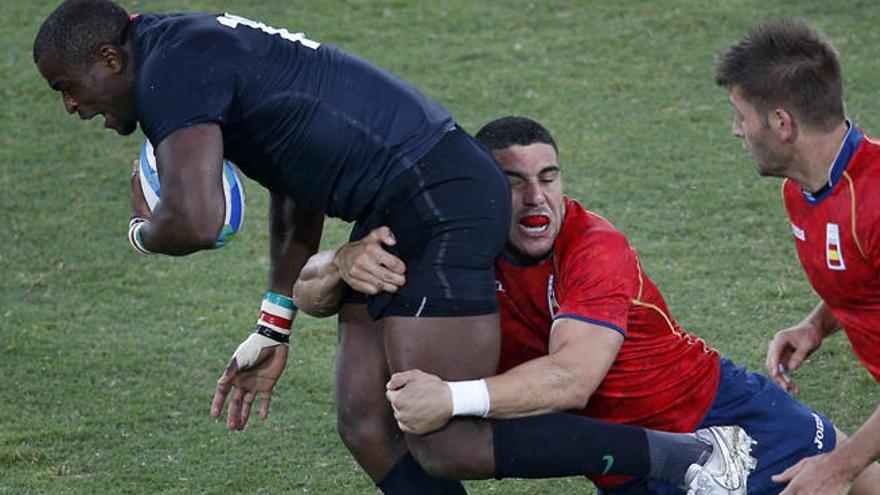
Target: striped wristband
{"type": "Point", "coordinates": [276, 314]}
{"type": "Point", "coordinates": [134, 235]}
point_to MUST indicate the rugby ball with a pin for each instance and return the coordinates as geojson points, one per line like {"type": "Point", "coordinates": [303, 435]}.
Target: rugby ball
{"type": "Point", "coordinates": [233, 192]}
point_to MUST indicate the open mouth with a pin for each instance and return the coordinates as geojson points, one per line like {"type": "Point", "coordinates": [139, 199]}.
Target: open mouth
{"type": "Point", "coordinates": [534, 224]}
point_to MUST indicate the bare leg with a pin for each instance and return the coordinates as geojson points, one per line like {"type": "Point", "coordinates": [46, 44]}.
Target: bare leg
{"type": "Point", "coordinates": [459, 348]}
{"type": "Point", "coordinates": [364, 418]}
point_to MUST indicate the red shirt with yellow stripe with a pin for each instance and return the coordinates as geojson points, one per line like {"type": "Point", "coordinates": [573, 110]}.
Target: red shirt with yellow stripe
{"type": "Point", "coordinates": [837, 236]}
{"type": "Point", "coordinates": [663, 377]}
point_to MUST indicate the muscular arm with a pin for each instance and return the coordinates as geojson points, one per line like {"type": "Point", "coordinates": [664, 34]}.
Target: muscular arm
{"type": "Point", "coordinates": [190, 215]}
{"type": "Point", "coordinates": [364, 265]}
{"type": "Point", "coordinates": [580, 355]}
{"type": "Point", "coordinates": [319, 289]}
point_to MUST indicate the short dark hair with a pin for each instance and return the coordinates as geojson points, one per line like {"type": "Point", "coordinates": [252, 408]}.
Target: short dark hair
{"type": "Point", "coordinates": [77, 28]}
{"type": "Point", "coordinates": [788, 63]}
{"type": "Point", "coordinates": [511, 130]}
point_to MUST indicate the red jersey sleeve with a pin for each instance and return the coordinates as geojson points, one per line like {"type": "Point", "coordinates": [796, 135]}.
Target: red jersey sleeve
{"type": "Point", "coordinates": [597, 272]}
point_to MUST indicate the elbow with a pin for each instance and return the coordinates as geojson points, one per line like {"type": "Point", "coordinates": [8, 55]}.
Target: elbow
{"type": "Point", "coordinates": [312, 309]}
{"type": "Point", "coordinates": [575, 398]}
{"type": "Point", "coordinates": [192, 238]}
{"type": "Point", "coordinates": [203, 237]}
{"type": "Point", "coordinates": [183, 238]}
{"type": "Point", "coordinates": [311, 305]}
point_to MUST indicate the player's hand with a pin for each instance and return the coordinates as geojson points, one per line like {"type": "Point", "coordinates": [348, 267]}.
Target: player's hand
{"type": "Point", "coordinates": [818, 475]}
{"type": "Point", "coordinates": [247, 383]}
{"type": "Point", "coordinates": [367, 267]}
{"type": "Point", "coordinates": [422, 402]}
{"type": "Point", "coordinates": [788, 350]}
{"type": "Point", "coordinates": [139, 206]}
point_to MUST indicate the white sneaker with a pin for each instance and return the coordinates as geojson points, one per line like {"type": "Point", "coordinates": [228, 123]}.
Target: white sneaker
{"type": "Point", "coordinates": [727, 470]}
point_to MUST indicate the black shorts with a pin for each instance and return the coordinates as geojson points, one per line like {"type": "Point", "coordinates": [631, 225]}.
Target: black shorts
{"type": "Point", "coordinates": [450, 214]}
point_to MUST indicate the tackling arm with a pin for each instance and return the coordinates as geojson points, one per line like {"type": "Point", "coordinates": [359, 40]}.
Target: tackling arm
{"type": "Point", "coordinates": [364, 265]}
{"type": "Point", "coordinates": [319, 289]}
{"type": "Point", "coordinates": [580, 356]}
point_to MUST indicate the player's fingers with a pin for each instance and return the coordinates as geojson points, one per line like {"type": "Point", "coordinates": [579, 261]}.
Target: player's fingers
{"type": "Point", "coordinates": [224, 384]}
{"type": "Point", "coordinates": [390, 262]}
{"type": "Point", "coordinates": [398, 380]}
{"type": "Point", "coordinates": [383, 235]}
{"type": "Point", "coordinates": [367, 285]}
{"type": "Point", "coordinates": [796, 359]}
{"type": "Point", "coordinates": [247, 402]}
{"type": "Point", "coordinates": [775, 353]}
{"type": "Point", "coordinates": [233, 415]}
{"type": "Point", "coordinates": [789, 473]}
{"type": "Point", "coordinates": [265, 399]}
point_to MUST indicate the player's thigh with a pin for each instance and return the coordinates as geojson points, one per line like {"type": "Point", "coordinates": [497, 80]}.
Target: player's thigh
{"type": "Point", "coordinates": [361, 366]}
{"type": "Point", "coordinates": [365, 420]}
{"type": "Point", "coordinates": [455, 349]}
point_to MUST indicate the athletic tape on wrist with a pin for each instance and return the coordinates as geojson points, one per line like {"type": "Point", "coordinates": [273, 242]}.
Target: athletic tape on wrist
{"type": "Point", "coordinates": [470, 398]}
{"type": "Point", "coordinates": [134, 235]}
{"type": "Point", "coordinates": [276, 313]}
{"type": "Point", "coordinates": [248, 351]}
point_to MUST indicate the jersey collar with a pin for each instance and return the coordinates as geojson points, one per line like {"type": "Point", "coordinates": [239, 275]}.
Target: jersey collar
{"type": "Point", "coordinates": [847, 150]}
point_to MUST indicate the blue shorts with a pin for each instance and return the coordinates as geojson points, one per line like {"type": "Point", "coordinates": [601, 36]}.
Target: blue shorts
{"type": "Point", "coordinates": [785, 430]}
{"type": "Point", "coordinates": [450, 214]}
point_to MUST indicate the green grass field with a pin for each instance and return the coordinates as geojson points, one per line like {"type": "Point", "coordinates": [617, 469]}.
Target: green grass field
{"type": "Point", "coordinates": [109, 358]}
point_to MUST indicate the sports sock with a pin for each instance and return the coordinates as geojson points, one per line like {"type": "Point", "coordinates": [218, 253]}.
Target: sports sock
{"type": "Point", "coordinates": [564, 444]}
{"type": "Point", "coordinates": [407, 477]}
{"type": "Point", "coordinates": [672, 453]}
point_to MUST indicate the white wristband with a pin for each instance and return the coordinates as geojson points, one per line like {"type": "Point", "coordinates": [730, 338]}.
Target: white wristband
{"type": "Point", "coordinates": [470, 398]}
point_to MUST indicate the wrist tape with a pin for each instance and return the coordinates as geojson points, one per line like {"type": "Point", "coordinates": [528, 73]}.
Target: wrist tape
{"type": "Point", "coordinates": [248, 351]}
{"type": "Point", "coordinates": [470, 398]}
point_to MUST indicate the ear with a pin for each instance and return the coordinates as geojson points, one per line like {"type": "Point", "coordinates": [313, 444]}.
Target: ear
{"type": "Point", "coordinates": [783, 125]}
{"type": "Point", "coordinates": [112, 57]}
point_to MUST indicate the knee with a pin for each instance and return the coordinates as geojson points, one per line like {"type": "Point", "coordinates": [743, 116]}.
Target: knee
{"type": "Point", "coordinates": [435, 458]}
{"type": "Point", "coordinates": [441, 453]}
{"type": "Point", "coordinates": [362, 427]}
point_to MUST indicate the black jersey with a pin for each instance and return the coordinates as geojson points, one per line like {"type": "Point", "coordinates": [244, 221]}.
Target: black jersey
{"type": "Point", "coordinates": [301, 118]}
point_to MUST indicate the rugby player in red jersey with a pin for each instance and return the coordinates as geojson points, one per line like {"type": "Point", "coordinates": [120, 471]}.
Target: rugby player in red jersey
{"type": "Point", "coordinates": [786, 90]}
{"type": "Point", "coordinates": [584, 328]}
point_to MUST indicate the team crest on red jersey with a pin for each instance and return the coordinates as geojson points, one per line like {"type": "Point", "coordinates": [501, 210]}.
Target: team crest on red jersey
{"type": "Point", "coordinates": [833, 248]}
{"type": "Point", "coordinates": [552, 303]}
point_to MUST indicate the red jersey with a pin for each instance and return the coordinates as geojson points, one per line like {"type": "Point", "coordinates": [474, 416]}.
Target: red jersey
{"type": "Point", "coordinates": [837, 235]}
{"type": "Point", "coordinates": [662, 378]}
